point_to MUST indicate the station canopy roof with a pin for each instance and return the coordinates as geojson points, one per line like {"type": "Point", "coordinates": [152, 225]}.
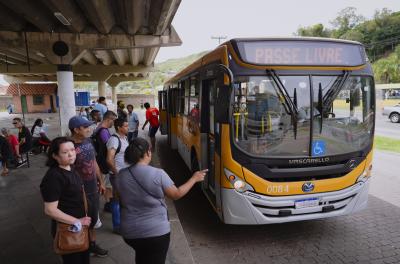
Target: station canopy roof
{"type": "Point", "coordinates": [109, 41]}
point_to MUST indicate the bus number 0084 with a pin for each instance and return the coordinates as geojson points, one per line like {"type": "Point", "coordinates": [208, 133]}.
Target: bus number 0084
{"type": "Point", "coordinates": [278, 188]}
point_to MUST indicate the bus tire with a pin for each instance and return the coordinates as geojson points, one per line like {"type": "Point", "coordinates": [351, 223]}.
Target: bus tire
{"type": "Point", "coordinates": [394, 118]}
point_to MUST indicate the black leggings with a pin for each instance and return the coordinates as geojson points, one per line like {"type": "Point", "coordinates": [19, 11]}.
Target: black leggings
{"type": "Point", "coordinates": [150, 250]}
{"type": "Point", "coordinates": [77, 258]}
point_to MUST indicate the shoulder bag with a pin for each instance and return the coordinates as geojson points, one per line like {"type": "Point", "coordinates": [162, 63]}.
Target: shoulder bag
{"type": "Point", "coordinates": [66, 241]}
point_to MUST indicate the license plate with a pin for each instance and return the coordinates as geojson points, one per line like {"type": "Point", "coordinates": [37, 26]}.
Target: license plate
{"type": "Point", "coordinates": [312, 202]}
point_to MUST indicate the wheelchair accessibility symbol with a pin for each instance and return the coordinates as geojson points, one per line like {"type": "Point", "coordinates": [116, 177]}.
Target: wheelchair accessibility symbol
{"type": "Point", "coordinates": [318, 148]}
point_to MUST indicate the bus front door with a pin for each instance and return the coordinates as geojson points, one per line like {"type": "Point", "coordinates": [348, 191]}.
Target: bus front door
{"type": "Point", "coordinates": [210, 143]}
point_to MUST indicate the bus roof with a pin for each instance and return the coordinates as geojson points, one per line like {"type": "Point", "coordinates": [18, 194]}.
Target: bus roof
{"type": "Point", "coordinates": [294, 39]}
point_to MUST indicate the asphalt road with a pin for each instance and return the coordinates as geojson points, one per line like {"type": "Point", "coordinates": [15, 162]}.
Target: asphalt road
{"type": "Point", "coordinates": [383, 127]}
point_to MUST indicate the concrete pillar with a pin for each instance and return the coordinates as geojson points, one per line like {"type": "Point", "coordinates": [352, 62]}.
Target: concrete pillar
{"type": "Point", "coordinates": [114, 95]}
{"type": "Point", "coordinates": [102, 88]}
{"type": "Point", "coordinates": [66, 96]}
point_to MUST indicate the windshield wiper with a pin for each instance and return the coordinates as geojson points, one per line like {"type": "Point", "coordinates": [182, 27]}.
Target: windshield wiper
{"type": "Point", "coordinates": [330, 96]}
{"type": "Point", "coordinates": [288, 102]}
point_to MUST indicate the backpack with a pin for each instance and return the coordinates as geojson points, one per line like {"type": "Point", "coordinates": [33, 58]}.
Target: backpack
{"type": "Point", "coordinates": [101, 150]}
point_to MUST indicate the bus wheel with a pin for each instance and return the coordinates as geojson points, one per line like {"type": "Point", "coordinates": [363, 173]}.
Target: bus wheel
{"type": "Point", "coordinates": [394, 118]}
{"type": "Point", "coordinates": [195, 164]}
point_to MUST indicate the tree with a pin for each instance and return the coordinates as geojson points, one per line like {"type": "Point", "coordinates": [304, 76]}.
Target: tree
{"type": "Point", "coordinates": [317, 30]}
{"type": "Point", "coordinates": [346, 20]}
{"type": "Point", "coordinates": [382, 18]}
{"type": "Point", "coordinates": [387, 70]}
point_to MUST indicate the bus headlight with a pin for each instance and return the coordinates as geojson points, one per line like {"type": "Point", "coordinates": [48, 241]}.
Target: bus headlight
{"type": "Point", "coordinates": [365, 175]}
{"type": "Point", "coordinates": [237, 183]}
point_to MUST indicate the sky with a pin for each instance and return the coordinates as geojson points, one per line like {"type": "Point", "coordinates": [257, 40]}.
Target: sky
{"type": "Point", "coordinates": [196, 21]}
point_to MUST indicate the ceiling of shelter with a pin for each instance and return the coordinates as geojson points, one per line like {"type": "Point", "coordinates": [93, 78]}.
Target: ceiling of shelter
{"type": "Point", "coordinates": [107, 39]}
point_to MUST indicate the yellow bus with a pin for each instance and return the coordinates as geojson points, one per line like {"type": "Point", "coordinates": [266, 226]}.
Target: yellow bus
{"type": "Point", "coordinates": [284, 125]}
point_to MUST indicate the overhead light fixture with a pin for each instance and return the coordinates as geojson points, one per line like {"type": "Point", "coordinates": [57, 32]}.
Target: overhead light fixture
{"type": "Point", "coordinates": [62, 18]}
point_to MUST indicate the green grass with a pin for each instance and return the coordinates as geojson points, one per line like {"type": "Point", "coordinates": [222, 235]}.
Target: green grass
{"type": "Point", "coordinates": [388, 144]}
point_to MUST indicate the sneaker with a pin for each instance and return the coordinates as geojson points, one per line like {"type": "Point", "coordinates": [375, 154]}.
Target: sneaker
{"type": "Point", "coordinates": [97, 251]}
{"type": "Point", "coordinates": [98, 224]}
{"type": "Point", "coordinates": [107, 207]}
{"type": "Point", "coordinates": [20, 164]}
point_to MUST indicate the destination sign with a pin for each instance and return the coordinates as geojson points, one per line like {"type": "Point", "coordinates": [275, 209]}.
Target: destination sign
{"type": "Point", "coordinates": [307, 53]}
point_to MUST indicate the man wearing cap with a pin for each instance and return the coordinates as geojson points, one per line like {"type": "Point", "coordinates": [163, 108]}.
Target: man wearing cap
{"type": "Point", "coordinates": [87, 168]}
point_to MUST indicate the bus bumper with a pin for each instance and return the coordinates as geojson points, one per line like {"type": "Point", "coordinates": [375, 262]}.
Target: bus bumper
{"type": "Point", "coordinates": [250, 208]}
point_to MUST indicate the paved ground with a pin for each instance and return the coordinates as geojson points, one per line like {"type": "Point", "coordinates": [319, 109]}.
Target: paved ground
{"type": "Point", "coordinates": [386, 177]}
{"type": "Point", "coordinates": [371, 236]}
{"type": "Point", "coordinates": [25, 230]}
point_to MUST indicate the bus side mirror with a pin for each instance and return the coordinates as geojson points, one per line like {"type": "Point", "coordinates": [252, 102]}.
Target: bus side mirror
{"type": "Point", "coordinates": [222, 104]}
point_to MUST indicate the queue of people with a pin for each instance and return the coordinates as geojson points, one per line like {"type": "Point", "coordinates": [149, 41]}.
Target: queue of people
{"type": "Point", "coordinates": [116, 166]}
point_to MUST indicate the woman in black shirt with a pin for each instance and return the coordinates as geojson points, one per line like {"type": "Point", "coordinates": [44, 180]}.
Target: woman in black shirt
{"type": "Point", "coordinates": [61, 190]}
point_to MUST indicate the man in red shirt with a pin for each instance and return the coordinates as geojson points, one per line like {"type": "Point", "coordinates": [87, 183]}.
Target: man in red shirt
{"type": "Point", "coordinates": [12, 139]}
{"type": "Point", "coordinates": [152, 118]}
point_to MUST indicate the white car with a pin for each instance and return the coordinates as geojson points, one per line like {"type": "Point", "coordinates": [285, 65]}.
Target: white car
{"type": "Point", "coordinates": [393, 112]}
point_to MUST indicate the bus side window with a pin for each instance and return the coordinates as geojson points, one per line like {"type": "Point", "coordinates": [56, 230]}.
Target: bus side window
{"type": "Point", "coordinates": [194, 100]}
{"type": "Point", "coordinates": [181, 92]}
{"type": "Point", "coordinates": [187, 91]}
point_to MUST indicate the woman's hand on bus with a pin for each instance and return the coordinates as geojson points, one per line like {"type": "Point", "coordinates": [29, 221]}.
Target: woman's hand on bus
{"type": "Point", "coordinates": [198, 176]}
{"type": "Point", "coordinates": [175, 193]}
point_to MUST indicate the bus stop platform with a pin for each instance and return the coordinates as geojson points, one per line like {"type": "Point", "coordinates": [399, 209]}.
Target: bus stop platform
{"type": "Point", "coordinates": [25, 229]}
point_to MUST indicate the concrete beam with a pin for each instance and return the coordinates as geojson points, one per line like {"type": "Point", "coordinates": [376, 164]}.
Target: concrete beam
{"type": "Point", "coordinates": [77, 69]}
{"type": "Point", "coordinates": [78, 58]}
{"type": "Point", "coordinates": [70, 11]}
{"type": "Point", "coordinates": [9, 20]}
{"type": "Point", "coordinates": [129, 14]}
{"type": "Point", "coordinates": [90, 58]}
{"type": "Point", "coordinates": [120, 56]}
{"type": "Point", "coordinates": [99, 13]}
{"type": "Point", "coordinates": [114, 81]}
{"type": "Point", "coordinates": [162, 13]}
{"type": "Point", "coordinates": [43, 78]}
{"type": "Point", "coordinates": [32, 55]}
{"type": "Point", "coordinates": [14, 56]}
{"type": "Point", "coordinates": [135, 55]}
{"type": "Point", "coordinates": [149, 56]}
{"type": "Point", "coordinates": [8, 61]}
{"type": "Point", "coordinates": [34, 13]}
{"type": "Point", "coordinates": [84, 73]}
{"type": "Point", "coordinates": [104, 56]}
{"type": "Point", "coordinates": [41, 41]}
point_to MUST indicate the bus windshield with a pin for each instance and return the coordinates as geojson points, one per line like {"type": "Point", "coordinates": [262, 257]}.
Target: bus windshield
{"type": "Point", "coordinates": [335, 115]}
